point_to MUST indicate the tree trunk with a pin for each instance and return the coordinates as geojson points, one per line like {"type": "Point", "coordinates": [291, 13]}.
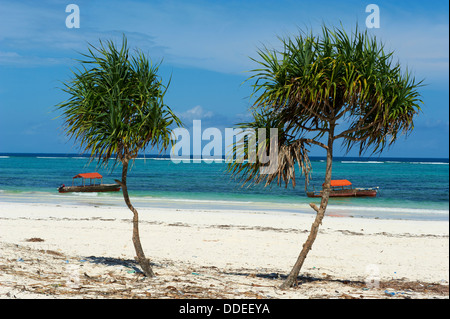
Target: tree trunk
{"type": "Point", "coordinates": [291, 280]}
{"type": "Point", "coordinates": [143, 262]}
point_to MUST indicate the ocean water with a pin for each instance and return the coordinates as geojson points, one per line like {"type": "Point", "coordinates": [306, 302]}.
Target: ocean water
{"type": "Point", "coordinates": [410, 188]}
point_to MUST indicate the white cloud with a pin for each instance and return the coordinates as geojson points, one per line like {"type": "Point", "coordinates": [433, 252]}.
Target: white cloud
{"type": "Point", "coordinates": [218, 36]}
{"type": "Point", "coordinates": [35, 34]}
{"type": "Point", "coordinates": [16, 59]}
{"type": "Point", "coordinates": [422, 47]}
{"type": "Point", "coordinates": [196, 113]}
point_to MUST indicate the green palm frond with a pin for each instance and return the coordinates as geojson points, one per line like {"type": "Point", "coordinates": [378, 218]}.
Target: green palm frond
{"type": "Point", "coordinates": [115, 106]}
{"type": "Point", "coordinates": [249, 168]}
{"type": "Point", "coordinates": [315, 84]}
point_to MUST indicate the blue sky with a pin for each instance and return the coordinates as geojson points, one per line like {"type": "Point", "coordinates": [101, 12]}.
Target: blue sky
{"type": "Point", "coordinates": [206, 48]}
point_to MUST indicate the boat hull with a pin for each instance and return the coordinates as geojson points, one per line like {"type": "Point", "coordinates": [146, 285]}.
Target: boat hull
{"type": "Point", "coordinates": [90, 188]}
{"type": "Point", "coordinates": [347, 193]}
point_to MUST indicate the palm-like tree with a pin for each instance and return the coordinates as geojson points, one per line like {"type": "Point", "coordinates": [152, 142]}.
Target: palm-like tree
{"type": "Point", "coordinates": [320, 89]}
{"type": "Point", "coordinates": [115, 110]}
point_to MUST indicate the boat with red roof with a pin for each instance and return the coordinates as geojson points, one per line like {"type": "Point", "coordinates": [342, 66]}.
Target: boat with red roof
{"type": "Point", "coordinates": [91, 187]}
{"type": "Point", "coordinates": [344, 188]}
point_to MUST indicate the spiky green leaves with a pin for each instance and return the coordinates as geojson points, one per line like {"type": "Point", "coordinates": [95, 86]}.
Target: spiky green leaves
{"type": "Point", "coordinates": [115, 106]}
{"type": "Point", "coordinates": [335, 85]}
{"type": "Point", "coordinates": [315, 81]}
{"type": "Point", "coordinates": [268, 154]}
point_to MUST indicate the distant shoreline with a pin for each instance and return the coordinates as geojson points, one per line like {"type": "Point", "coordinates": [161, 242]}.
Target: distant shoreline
{"type": "Point", "coordinates": [96, 200]}
{"type": "Point", "coordinates": [409, 189]}
{"type": "Point", "coordinates": [313, 158]}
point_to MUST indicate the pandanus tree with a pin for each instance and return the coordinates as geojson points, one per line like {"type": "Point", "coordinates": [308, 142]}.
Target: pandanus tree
{"type": "Point", "coordinates": [115, 110]}
{"type": "Point", "coordinates": [318, 90]}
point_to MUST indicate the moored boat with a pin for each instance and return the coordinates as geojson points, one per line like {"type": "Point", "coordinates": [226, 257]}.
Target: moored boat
{"type": "Point", "coordinates": [344, 188]}
{"type": "Point", "coordinates": [91, 187]}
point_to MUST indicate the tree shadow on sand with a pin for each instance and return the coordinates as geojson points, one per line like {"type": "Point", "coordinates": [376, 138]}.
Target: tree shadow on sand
{"type": "Point", "coordinates": [395, 284]}
{"type": "Point", "coordinates": [301, 279]}
{"type": "Point", "coordinates": [109, 261]}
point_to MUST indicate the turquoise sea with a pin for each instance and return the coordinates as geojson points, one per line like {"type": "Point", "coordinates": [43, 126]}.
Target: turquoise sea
{"type": "Point", "coordinates": [410, 188]}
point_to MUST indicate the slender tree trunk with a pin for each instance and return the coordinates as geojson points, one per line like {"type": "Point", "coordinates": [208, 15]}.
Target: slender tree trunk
{"type": "Point", "coordinates": [291, 280]}
{"type": "Point", "coordinates": [143, 262]}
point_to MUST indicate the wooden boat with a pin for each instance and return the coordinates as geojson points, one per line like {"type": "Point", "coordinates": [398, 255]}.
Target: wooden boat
{"type": "Point", "coordinates": [91, 187]}
{"type": "Point", "coordinates": [344, 188]}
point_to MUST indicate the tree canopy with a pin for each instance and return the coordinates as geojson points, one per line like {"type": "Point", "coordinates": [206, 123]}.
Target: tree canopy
{"type": "Point", "coordinates": [115, 110]}
{"type": "Point", "coordinates": [332, 81]}
{"type": "Point", "coordinates": [115, 106]}
{"type": "Point", "coordinates": [317, 90]}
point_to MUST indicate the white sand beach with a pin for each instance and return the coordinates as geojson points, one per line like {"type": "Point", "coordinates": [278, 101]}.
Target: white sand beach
{"type": "Point", "coordinates": [57, 251]}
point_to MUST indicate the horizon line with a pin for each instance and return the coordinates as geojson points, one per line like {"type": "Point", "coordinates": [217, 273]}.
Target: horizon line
{"type": "Point", "coordinates": [193, 156]}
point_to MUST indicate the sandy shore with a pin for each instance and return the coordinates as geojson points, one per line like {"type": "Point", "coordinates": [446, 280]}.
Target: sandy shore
{"type": "Point", "coordinates": [52, 251]}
